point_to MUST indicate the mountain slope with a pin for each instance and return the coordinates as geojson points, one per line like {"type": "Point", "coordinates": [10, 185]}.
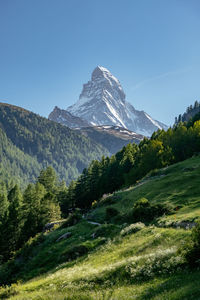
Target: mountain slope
{"type": "Point", "coordinates": [117, 260]}
{"type": "Point", "coordinates": [113, 138]}
{"type": "Point", "coordinates": [102, 102]}
{"type": "Point", "coordinates": [66, 118]}
{"type": "Point", "coordinates": [15, 165]}
{"type": "Point", "coordinates": [48, 143]}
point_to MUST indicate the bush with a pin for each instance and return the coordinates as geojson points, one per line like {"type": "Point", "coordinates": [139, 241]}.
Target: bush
{"type": "Point", "coordinates": [74, 252]}
{"type": "Point", "coordinates": [144, 211]}
{"type": "Point", "coordinates": [191, 250]}
{"type": "Point", "coordinates": [106, 230]}
{"type": "Point", "coordinates": [108, 200]}
{"type": "Point", "coordinates": [111, 212]}
{"type": "Point", "coordinates": [73, 219]}
{"type": "Point", "coordinates": [133, 228]}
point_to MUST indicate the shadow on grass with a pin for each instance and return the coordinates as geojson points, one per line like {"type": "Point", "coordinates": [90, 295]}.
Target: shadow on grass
{"type": "Point", "coordinates": [182, 286]}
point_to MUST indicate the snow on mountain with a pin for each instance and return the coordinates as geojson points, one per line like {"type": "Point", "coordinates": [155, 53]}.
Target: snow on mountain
{"type": "Point", "coordinates": [102, 102]}
{"type": "Point", "coordinates": [66, 118]}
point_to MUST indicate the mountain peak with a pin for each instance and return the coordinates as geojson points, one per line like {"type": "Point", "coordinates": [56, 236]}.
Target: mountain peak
{"type": "Point", "coordinates": [100, 71]}
{"type": "Point", "coordinates": [102, 102]}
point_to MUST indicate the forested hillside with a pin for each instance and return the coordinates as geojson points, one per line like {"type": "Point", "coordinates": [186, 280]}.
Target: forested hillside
{"type": "Point", "coordinates": [133, 162]}
{"type": "Point", "coordinates": [42, 142]}
{"type": "Point", "coordinates": [124, 222]}
{"type": "Point", "coordinates": [15, 165]}
{"type": "Point", "coordinates": [132, 243]}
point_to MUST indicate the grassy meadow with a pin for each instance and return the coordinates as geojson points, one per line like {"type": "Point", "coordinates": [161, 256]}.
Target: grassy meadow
{"type": "Point", "coordinates": [116, 259]}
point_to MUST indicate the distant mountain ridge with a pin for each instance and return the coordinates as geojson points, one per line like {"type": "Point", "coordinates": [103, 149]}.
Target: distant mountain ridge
{"type": "Point", "coordinates": [102, 102]}
{"type": "Point", "coordinates": [30, 142]}
{"type": "Point", "coordinates": [66, 118]}
{"type": "Point", "coordinates": [113, 138]}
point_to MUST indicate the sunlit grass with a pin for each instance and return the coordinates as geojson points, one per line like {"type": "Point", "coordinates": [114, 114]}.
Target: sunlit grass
{"type": "Point", "coordinates": [141, 265]}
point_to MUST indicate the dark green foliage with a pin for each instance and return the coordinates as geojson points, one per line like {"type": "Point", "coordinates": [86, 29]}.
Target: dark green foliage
{"type": "Point", "coordinates": [111, 212]}
{"type": "Point", "coordinates": [103, 177]}
{"type": "Point", "coordinates": [74, 252]}
{"type": "Point", "coordinates": [191, 111]}
{"type": "Point", "coordinates": [15, 165]}
{"type": "Point", "coordinates": [3, 203]}
{"type": "Point", "coordinates": [108, 200]}
{"type": "Point", "coordinates": [39, 143]}
{"type": "Point", "coordinates": [191, 249]}
{"type": "Point", "coordinates": [48, 179]}
{"type": "Point", "coordinates": [72, 219]}
{"type": "Point", "coordinates": [23, 216]}
{"type": "Point", "coordinates": [12, 225]}
{"type": "Point", "coordinates": [106, 230]}
{"type": "Point", "coordinates": [132, 163]}
{"type": "Point", "coordinates": [144, 211]}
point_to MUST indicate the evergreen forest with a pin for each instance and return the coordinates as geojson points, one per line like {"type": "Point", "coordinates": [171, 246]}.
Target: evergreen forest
{"type": "Point", "coordinates": [128, 221]}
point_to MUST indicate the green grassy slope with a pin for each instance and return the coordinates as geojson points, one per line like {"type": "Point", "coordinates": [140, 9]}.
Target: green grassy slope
{"type": "Point", "coordinates": [100, 262]}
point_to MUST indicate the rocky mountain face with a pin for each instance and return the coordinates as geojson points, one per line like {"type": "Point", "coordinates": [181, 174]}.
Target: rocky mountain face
{"type": "Point", "coordinates": [66, 118]}
{"type": "Point", "coordinates": [113, 138]}
{"type": "Point", "coordinates": [102, 102]}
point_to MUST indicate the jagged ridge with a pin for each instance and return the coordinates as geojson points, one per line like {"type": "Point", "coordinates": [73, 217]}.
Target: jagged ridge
{"type": "Point", "coordinates": [102, 102]}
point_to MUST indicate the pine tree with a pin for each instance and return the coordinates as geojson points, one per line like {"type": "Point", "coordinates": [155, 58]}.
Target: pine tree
{"type": "Point", "coordinates": [48, 179]}
{"type": "Point", "coordinates": [32, 210]}
{"type": "Point", "coordinates": [196, 104]}
{"type": "Point", "coordinates": [11, 229]}
{"type": "Point", "coordinates": [179, 118]}
{"type": "Point", "coordinates": [3, 203]}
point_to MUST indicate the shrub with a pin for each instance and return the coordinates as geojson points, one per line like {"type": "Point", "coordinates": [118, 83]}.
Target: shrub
{"type": "Point", "coordinates": [106, 230]}
{"type": "Point", "coordinates": [108, 200]}
{"type": "Point", "coordinates": [72, 219]}
{"type": "Point", "coordinates": [144, 211]}
{"type": "Point", "coordinates": [133, 228]}
{"type": "Point", "coordinates": [191, 250]}
{"type": "Point", "coordinates": [111, 212]}
{"type": "Point", "coordinates": [74, 252]}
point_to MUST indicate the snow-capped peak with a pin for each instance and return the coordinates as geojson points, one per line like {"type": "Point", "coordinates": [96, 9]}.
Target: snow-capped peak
{"type": "Point", "coordinates": [102, 102]}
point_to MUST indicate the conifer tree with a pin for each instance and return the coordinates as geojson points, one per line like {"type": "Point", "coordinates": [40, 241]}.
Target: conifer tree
{"type": "Point", "coordinates": [11, 229]}
{"type": "Point", "coordinates": [3, 203]}
{"type": "Point", "coordinates": [48, 179]}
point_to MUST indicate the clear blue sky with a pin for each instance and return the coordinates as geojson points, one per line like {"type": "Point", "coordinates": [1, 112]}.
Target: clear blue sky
{"type": "Point", "coordinates": [48, 49]}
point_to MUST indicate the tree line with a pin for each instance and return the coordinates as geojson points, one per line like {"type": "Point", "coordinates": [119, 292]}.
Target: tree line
{"type": "Point", "coordinates": [132, 163]}
{"type": "Point", "coordinates": [24, 214]}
